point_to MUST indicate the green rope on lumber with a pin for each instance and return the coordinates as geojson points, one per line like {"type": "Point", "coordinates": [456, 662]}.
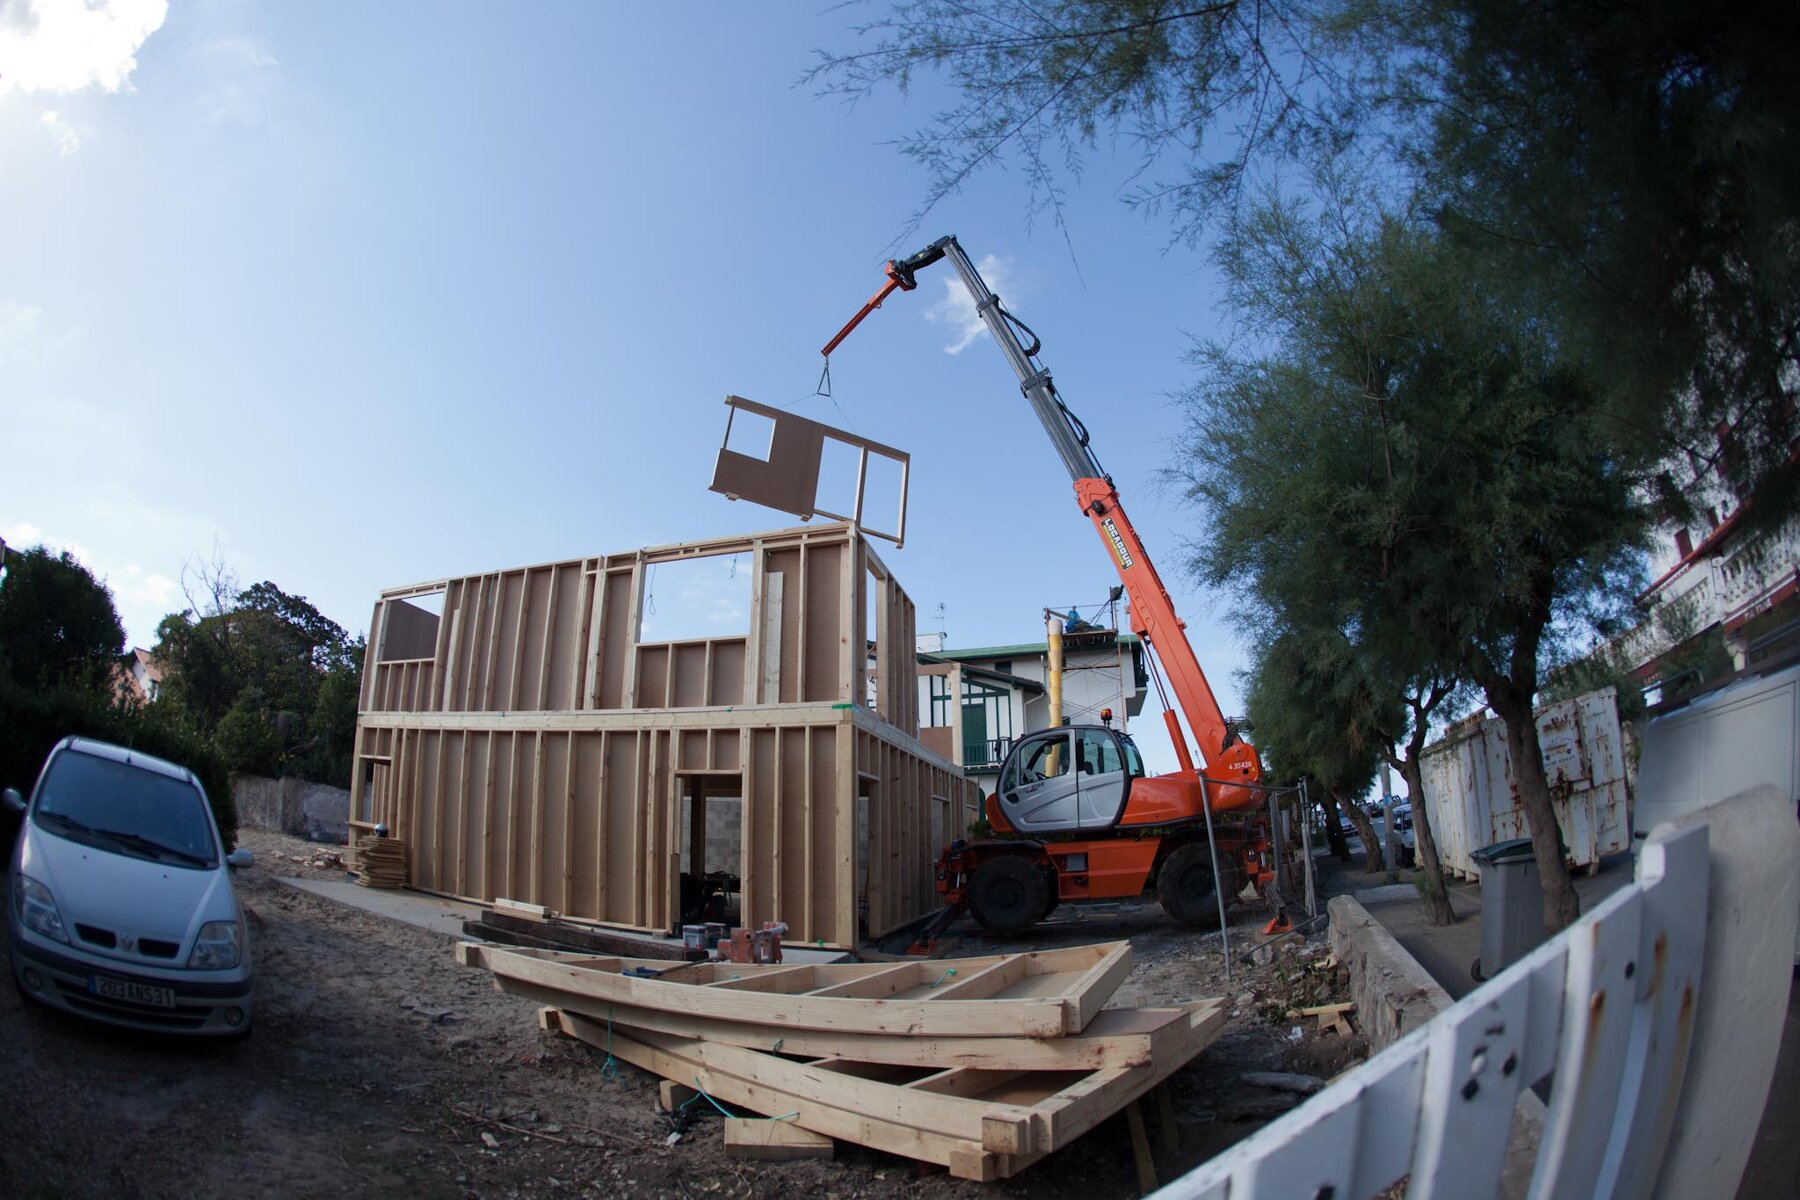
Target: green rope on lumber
{"type": "Point", "coordinates": [698, 1093]}
{"type": "Point", "coordinates": [944, 976]}
{"type": "Point", "coordinates": [702, 1093]}
{"type": "Point", "coordinates": [610, 1068]}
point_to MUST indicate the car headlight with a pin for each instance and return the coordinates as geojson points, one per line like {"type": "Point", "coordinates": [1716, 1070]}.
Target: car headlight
{"type": "Point", "coordinates": [37, 908]}
{"type": "Point", "coordinates": [220, 945]}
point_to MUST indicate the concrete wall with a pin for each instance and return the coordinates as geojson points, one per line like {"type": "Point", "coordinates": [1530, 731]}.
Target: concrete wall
{"type": "Point", "coordinates": [724, 850]}
{"type": "Point", "coordinates": [316, 811]}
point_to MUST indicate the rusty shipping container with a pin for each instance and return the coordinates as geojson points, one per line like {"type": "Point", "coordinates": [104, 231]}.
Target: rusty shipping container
{"type": "Point", "coordinates": [1469, 789]}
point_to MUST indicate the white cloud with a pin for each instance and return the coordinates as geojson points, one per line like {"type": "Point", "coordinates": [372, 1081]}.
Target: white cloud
{"type": "Point", "coordinates": [21, 534]}
{"type": "Point", "coordinates": [70, 45]}
{"type": "Point", "coordinates": [67, 140]}
{"type": "Point", "coordinates": [957, 308]}
{"type": "Point", "coordinates": [141, 597]}
{"type": "Point", "coordinates": [148, 587]}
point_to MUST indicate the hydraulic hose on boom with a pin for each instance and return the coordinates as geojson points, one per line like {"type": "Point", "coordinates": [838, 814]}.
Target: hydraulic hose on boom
{"type": "Point", "coordinates": [1227, 760]}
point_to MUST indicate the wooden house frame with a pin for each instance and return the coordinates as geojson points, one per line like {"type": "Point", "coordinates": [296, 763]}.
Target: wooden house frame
{"type": "Point", "coordinates": [524, 742]}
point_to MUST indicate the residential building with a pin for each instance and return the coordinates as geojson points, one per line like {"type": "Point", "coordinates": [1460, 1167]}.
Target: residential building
{"type": "Point", "coordinates": [138, 676]}
{"type": "Point", "coordinates": [974, 703]}
{"type": "Point", "coordinates": [1715, 576]}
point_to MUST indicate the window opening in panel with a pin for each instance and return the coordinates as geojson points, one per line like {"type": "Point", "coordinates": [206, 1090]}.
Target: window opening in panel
{"type": "Point", "coordinates": [840, 479]}
{"type": "Point", "coordinates": [872, 602]}
{"type": "Point", "coordinates": [696, 599]}
{"type": "Point", "coordinates": [409, 627]}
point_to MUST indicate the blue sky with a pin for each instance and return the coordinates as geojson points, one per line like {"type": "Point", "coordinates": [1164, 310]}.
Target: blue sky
{"type": "Point", "coordinates": [363, 294]}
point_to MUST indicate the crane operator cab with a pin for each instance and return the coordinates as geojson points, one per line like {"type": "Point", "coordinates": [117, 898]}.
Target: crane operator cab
{"type": "Point", "coordinates": [1073, 779]}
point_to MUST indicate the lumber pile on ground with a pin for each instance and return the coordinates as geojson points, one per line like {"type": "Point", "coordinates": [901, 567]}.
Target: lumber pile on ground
{"type": "Point", "coordinates": [981, 1065]}
{"type": "Point", "coordinates": [503, 923]}
{"type": "Point", "coordinates": [381, 862]}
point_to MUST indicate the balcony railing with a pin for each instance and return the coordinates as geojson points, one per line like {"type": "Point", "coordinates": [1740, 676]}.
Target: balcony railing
{"type": "Point", "coordinates": [989, 752]}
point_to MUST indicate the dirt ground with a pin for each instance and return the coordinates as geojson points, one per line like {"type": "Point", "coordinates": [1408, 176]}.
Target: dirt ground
{"type": "Point", "coordinates": [378, 1067]}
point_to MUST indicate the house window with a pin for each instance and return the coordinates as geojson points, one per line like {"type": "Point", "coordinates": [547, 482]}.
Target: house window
{"type": "Point", "coordinates": [987, 723]}
{"type": "Point", "coordinates": [1005, 668]}
{"type": "Point", "coordinates": [940, 714]}
{"type": "Point", "coordinates": [1684, 545]}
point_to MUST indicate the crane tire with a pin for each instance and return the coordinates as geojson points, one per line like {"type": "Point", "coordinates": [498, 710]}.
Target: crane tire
{"type": "Point", "coordinates": [1186, 887]}
{"type": "Point", "coordinates": [1008, 894]}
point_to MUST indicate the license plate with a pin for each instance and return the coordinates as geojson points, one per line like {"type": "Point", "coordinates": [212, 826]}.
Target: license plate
{"type": "Point", "coordinates": [131, 993]}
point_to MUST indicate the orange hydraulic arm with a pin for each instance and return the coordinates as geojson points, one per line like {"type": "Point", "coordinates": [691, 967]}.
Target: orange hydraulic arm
{"type": "Point", "coordinates": [1152, 612]}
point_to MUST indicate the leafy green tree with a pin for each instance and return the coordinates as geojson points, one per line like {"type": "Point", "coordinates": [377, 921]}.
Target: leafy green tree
{"type": "Point", "coordinates": [1039, 82]}
{"type": "Point", "coordinates": [1310, 721]}
{"type": "Point", "coordinates": [248, 737]}
{"type": "Point", "coordinates": [1412, 464]}
{"type": "Point", "coordinates": [272, 679]}
{"type": "Point", "coordinates": [197, 647]}
{"type": "Point", "coordinates": [58, 627]}
{"type": "Point", "coordinates": [1638, 167]}
{"type": "Point", "coordinates": [332, 726]}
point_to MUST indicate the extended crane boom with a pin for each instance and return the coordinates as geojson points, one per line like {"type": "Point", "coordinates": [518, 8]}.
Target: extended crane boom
{"type": "Point", "coordinates": [1227, 760]}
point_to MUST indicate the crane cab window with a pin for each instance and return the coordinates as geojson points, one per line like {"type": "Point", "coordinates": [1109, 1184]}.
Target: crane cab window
{"type": "Point", "coordinates": [1098, 752]}
{"type": "Point", "coordinates": [1134, 761]}
{"type": "Point", "coordinates": [1037, 761]}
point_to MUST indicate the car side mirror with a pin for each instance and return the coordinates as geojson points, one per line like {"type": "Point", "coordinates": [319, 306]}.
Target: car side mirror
{"type": "Point", "coordinates": [14, 802]}
{"type": "Point", "coordinates": [240, 858]}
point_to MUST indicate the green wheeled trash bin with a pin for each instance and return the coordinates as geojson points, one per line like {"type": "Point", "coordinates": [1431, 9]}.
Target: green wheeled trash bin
{"type": "Point", "coordinates": [1512, 905]}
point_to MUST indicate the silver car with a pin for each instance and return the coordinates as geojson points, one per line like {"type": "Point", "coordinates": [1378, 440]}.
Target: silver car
{"type": "Point", "coordinates": [120, 905]}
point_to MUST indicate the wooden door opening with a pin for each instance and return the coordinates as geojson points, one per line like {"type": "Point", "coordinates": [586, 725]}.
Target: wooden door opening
{"type": "Point", "coordinates": [711, 849]}
{"type": "Point", "coordinates": [866, 888]}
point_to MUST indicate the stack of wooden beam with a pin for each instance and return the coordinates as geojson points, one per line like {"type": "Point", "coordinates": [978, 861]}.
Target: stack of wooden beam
{"type": "Point", "coordinates": [381, 862]}
{"type": "Point", "coordinates": [982, 1065]}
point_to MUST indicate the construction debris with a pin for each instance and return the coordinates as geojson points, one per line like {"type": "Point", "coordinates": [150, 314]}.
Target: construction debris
{"type": "Point", "coordinates": [980, 1065]}
{"type": "Point", "coordinates": [323, 860]}
{"type": "Point", "coordinates": [381, 862]}
{"type": "Point", "coordinates": [1284, 1081]}
{"type": "Point", "coordinates": [1333, 1018]}
{"type": "Point", "coordinates": [504, 926]}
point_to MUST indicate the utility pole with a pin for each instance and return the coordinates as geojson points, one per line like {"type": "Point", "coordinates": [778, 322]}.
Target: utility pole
{"type": "Point", "coordinates": [1387, 824]}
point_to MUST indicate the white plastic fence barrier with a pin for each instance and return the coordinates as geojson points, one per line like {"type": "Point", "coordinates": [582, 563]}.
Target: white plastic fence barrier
{"type": "Point", "coordinates": [1609, 1006]}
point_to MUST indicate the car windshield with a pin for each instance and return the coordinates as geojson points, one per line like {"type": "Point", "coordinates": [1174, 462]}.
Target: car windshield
{"type": "Point", "coordinates": [125, 808]}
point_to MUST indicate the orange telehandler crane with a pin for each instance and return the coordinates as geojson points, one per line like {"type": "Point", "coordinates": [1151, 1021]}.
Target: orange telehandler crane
{"type": "Point", "coordinates": [1074, 814]}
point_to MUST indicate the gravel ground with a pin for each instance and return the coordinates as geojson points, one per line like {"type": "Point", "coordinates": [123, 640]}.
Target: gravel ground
{"type": "Point", "coordinates": [379, 1067]}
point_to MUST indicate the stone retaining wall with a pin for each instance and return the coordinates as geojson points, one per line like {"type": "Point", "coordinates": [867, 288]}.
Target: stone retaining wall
{"type": "Point", "coordinates": [316, 811]}
{"type": "Point", "coordinates": [1395, 995]}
